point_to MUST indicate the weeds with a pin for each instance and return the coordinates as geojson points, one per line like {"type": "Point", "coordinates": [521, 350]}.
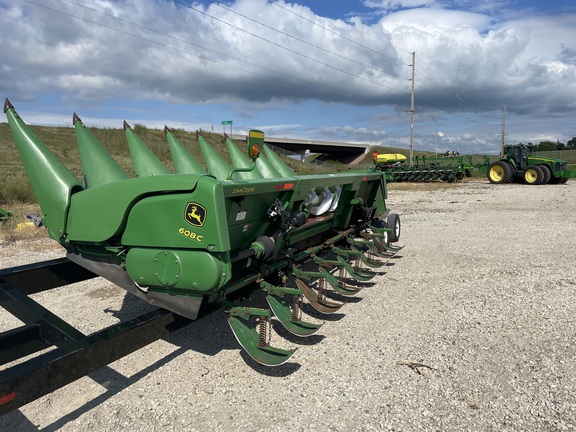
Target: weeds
{"type": "Point", "coordinates": [15, 186]}
{"type": "Point", "coordinates": [19, 227]}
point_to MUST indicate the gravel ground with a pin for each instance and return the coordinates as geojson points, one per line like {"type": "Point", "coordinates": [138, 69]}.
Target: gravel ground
{"type": "Point", "coordinates": [483, 296]}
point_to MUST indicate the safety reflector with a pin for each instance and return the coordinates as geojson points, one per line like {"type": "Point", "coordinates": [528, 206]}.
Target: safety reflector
{"type": "Point", "coordinates": [284, 186]}
{"type": "Point", "coordinates": [255, 150]}
{"type": "Point", "coordinates": [7, 398]}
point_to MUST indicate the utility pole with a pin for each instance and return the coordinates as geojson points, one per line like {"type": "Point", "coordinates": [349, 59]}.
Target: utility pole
{"type": "Point", "coordinates": [436, 132]}
{"type": "Point", "coordinates": [503, 131]}
{"type": "Point", "coordinates": [412, 110]}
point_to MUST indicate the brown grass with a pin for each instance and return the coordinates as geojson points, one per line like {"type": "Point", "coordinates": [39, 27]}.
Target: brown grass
{"type": "Point", "coordinates": [17, 228]}
{"type": "Point", "coordinates": [15, 186]}
{"type": "Point", "coordinates": [430, 186]}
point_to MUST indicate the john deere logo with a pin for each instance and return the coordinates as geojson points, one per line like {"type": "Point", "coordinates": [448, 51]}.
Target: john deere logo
{"type": "Point", "coordinates": [195, 214]}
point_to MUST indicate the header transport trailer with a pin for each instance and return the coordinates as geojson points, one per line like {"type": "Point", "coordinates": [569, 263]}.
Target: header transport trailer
{"type": "Point", "coordinates": [188, 242]}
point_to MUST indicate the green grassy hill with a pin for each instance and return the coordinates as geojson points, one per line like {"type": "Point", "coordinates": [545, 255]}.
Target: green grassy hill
{"type": "Point", "coordinates": [15, 187]}
{"type": "Point", "coordinates": [14, 184]}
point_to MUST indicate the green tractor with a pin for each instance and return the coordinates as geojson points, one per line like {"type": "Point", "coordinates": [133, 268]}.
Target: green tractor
{"type": "Point", "coordinates": [519, 163]}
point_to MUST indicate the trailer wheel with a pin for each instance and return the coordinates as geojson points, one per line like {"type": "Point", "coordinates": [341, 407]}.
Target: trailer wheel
{"type": "Point", "coordinates": [533, 175]}
{"type": "Point", "coordinates": [547, 173]}
{"type": "Point", "coordinates": [499, 172]}
{"type": "Point", "coordinates": [393, 222]}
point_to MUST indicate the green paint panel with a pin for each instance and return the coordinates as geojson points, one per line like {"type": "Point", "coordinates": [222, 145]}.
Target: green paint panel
{"type": "Point", "coordinates": [188, 270]}
{"type": "Point", "coordinates": [278, 164]}
{"type": "Point", "coordinates": [145, 162]}
{"type": "Point", "coordinates": [193, 220]}
{"type": "Point", "coordinates": [52, 183]}
{"type": "Point", "coordinates": [248, 338]}
{"type": "Point", "coordinates": [240, 160]}
{"type": "Point", "coordinates": [99, 167]}
{"type": "Point", "coordinates": [215, 165]}
{"type": "Point", "coordinates": [98, 214]}
{"type": "Point", "coordinates": [184, 162]}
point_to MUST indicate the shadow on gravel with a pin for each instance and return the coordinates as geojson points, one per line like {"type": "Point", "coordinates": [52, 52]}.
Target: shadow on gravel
{"type": "Point", "coordinates": [208, 336]}
{"type": "Point", "coordinates": [275, 372]}
{"type": "Point", "coordinates": [114, 383]}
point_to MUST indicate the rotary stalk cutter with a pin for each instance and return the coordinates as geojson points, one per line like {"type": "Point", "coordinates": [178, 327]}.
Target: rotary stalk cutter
{"type": "Point", "coordinates": [190, 240]}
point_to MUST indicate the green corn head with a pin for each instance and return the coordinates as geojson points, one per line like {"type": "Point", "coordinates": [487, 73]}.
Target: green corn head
{"type": "Point", "coordinates": [181, 240]}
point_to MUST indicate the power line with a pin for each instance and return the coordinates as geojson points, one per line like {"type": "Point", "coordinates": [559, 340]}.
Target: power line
{"type": "Point", "coordinates": [304, 41]}
{"type": "Point", "coordinates": [314, 86]}
{"type": "Point", "coordinates": [286, 48]}
{"type": "Point", "coordinates": [450, 91]}
{"type": "Point", "coordinates": [338, 34]}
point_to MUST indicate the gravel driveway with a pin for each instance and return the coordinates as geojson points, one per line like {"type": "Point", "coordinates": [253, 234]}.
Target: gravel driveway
{"type": "Point", "coordinates": [472, 328]}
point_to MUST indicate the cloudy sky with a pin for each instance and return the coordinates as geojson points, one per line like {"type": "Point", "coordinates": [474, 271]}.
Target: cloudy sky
{"type": "Point", "coordinates": [315, 69]}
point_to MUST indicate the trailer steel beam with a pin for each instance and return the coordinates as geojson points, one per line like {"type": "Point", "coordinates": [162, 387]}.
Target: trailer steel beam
{"type": "Point", "coordinates": [70, 354]}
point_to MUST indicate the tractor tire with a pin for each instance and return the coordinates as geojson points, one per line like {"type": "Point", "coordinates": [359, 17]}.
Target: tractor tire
{"type": "Point", "coordinates": [547, 173]}
{"type": "Point", "coordinates": [562, 180]}
{"type": "Point", "coordinates": [500, 172]}
{"type": "Point", "coordinates": [512, 169]}
{"type": "Point", "coordinates": [393, 222]}
{"type": "Point", "coordinates": [533, 175]}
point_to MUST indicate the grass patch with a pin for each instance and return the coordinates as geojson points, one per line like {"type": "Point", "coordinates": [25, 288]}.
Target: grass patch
{"type": "Point", "coordinates": [422, 186]}
{"type": "Point", "coordinates": [15, 186]}
{"type": "Point", "coordinates": [18, 227]}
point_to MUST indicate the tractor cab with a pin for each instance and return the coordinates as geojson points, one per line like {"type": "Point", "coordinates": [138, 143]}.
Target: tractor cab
{"type": "Point", "coordinates": [519, 154]}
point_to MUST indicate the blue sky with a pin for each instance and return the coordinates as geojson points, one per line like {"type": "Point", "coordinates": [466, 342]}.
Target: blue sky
{"type": "Point", "coordinates": [314, 69]}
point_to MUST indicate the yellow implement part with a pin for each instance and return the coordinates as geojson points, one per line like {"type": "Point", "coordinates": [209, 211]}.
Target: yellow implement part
{"type": "Point", "coordinates": [390, 157]}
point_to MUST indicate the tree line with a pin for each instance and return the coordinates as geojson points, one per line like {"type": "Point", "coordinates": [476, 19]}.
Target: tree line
{"type": "Point", "coordinates": [551, 145]}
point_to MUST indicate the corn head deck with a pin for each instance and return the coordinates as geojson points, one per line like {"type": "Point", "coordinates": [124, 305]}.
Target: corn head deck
{"type": "Point", "coordinates": [188, 241]}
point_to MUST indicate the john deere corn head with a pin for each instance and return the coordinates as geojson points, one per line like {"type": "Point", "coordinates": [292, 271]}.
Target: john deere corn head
{"type": "Point", "coordinates": [191, 240]}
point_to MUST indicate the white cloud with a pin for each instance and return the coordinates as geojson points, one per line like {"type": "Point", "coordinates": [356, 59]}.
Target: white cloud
{"type": "Point", "coordinates": [469, 61]}
{"type": "Point", "coordinates": [400, 4]}
{"type": "Point", "coordinates": [433, 20]}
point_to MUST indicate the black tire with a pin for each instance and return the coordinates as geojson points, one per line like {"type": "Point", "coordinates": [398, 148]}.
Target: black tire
{"type": "Point", "coordinates": [547, 173]}
{"type": "Point", "coordinates": [562, 180]}
{"type": "Point", "coordinates": [533, 175]}
{"type": "Point", "coordinates": [500, 172]}
{"type": "Point", "coordinates": [393, 222]}
{"type": "Point", "coordinates": [513, 172]}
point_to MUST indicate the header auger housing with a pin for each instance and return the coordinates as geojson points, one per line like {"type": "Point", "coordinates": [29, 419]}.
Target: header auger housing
{"type": "Point", "coordinates": [187, 240]}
